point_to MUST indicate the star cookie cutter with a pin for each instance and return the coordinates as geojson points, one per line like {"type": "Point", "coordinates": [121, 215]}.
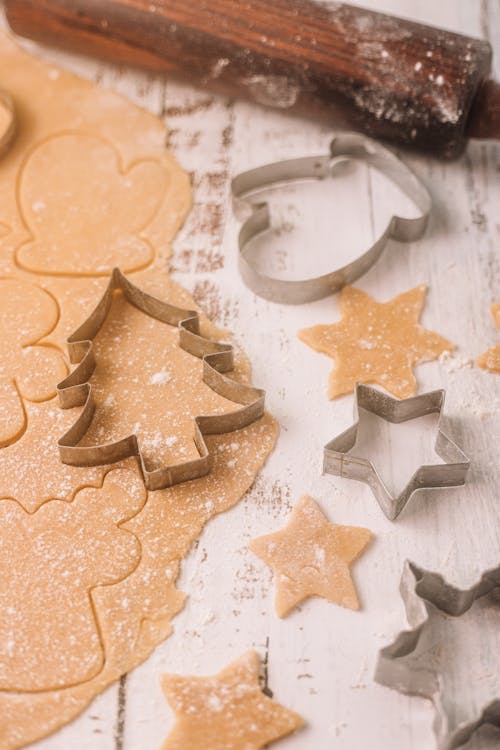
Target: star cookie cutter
{"type": "Point", "coordinates": [421, 589]}
{"type": "Point", "coordinates": [76, 390]}
{"type": "Point", "coordinates": [343, 146]}
{"type": "Point", "coordinates": [338, 462]}
{"type": "Point", "coordinates": [8, 130]}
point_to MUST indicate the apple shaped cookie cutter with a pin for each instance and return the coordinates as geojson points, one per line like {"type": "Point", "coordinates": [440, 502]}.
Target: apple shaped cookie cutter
{"type": "Point", "coordinates": [343, 146]}
{"type": "Point", "coordinates": [76, 389]}
{"type": "Point", "coordinates": [337, 461]}
{"type": "Point", "coordinates": [422, 592]}
{"type": "Point", "coordinates": [7, 121]}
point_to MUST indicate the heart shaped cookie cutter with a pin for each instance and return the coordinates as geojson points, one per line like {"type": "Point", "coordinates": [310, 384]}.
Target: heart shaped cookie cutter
{"type": "Point", "coordinates": [7, 121]}
{"type": "Point", "coordinates": [343, 146]}
{"type": "Point", "coordinates": [76, 389]}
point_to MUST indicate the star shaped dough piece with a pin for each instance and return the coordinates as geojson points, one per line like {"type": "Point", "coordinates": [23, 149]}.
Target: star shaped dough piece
{"type": "Point", "coordinates": [490, 360]}
{"type": "Point", "coordinates": [311, 557]}
{"type": "Point", "coordinates": [376, 342]}
{"type": "Point", "coordinates": [227, 711]}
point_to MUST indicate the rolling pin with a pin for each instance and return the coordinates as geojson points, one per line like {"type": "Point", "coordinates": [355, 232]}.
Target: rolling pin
{"type": "Point", "coordinates": [388, 77]}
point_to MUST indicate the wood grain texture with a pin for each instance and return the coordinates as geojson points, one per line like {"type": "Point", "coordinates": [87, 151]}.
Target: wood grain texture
{"type": "Point", "coordinates": [387, 76]}
{"type": "Point", "coordinates": [320, 661]}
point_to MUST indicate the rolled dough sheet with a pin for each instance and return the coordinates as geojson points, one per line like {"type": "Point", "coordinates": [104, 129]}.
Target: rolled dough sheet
{"type": "Point", "coordinates": [86, 159]}
{"type": "Point", "coordinates": [28, 371]}
{"type": "Point", "coordinates": [51, 561]}
{"type": "Point", "coordinates": [376, 342]}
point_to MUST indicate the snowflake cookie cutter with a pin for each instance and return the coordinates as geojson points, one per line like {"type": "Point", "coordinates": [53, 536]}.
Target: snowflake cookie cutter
{"type": "Point", "coordinates": [8, 129]}
{"type": "Point", "coordinates": [337, 461]}
{"type": "Point", "coordinates": [421, 589]}
{"type": "Point", "coordinates": [76, 390]}
{"type": "Point", "coordinates": [343, 146]}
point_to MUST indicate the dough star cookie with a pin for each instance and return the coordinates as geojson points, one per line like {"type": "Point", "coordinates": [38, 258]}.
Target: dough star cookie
{"type": "Point", "coordinates": [311, 557]}
{"type": "Point", "coordinates": [376, 342]}
{"type": "Point", "coordinates": [228, 711]}
{"type": "Point", "coordinates": [490, 360]}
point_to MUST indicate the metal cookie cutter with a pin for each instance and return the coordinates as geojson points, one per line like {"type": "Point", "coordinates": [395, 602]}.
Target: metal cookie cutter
{"type": "Point", "coordinates": [337, 460]}
{"type": "Point", "coordinates": [7, 121]}
{"type": "Point", "coordinates": [76, 390]}
{"type": "Point", "coordinates": [420, 589]}
{"type": "Point", "coordinates": [343, 146]}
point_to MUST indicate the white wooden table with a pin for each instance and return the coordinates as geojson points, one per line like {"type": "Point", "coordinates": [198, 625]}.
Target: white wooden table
{"type": "Point", "coordinates": [321, 658]}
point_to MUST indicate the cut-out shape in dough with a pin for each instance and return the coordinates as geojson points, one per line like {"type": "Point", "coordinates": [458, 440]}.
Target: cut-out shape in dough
{"type": "Point", "coordinates": [311, 557]}
{"type": "Point", "coordinates": [12, 413]}
{"type": "Point", "coordinates": [50, 561]}
{"type": "Point", "coordinates": [227, 711]}
{"type": "Point", "coordinates": [376, 342]}
{"type": "Point", "coordinates": [447, 655]}
{"type": "Point", "coordinates": [28, 370]}
{"type": "Point", "coordinates": [135, 614]}
{"type": "Point", "coordinates": [84, 210]}
{"type": "Point", "coordinates": [30, 468]}
{"type": "Point", "coordinates": [490, 360]}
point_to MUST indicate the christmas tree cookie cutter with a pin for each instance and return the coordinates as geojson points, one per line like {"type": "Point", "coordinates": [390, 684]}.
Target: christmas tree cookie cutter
{"type": "Point", "coordinates": [76, 389]}
{"type": "Point", "coordinates": [343, 146]}
{"type": "Point", "coordinates": [7, 121]}
{"type": "Point", "coordinates": [337, 461]}
{"type": "Point", "coordinates": [421, 589]}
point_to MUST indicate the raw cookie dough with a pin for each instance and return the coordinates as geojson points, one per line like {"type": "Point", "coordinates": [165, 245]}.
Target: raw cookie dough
{"type": "Point", "coordinates": [7, 122]}
{"type": "Point", "coordinates": [95, 184]}
{"type": "Point", "coordinates": [51, 562]}
{"type": "Point", "coordinates": [228, 711]}
{"type": "Point", "coordinates": [490, 360]}
{"type": "Point", "coordinates": [28, 370]}
{"type": "Point", "coordinates": [134, 615]}
{"type": "Point", "coordinates": [311, 557]}
{"type": "Point", "coordinates": [96, 204]}
{"type": "Point", "coordinates": [376, 342]}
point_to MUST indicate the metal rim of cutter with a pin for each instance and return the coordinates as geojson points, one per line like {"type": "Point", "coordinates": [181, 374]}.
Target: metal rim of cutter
{"type": "Point", "coordinates": [338, 462]}
{"type": "Point", "coordinates": [421, 589]}
{"type": "Point", "coordinates": [218, 358]}
{"type": "Point", "coordinates": [343, 146]}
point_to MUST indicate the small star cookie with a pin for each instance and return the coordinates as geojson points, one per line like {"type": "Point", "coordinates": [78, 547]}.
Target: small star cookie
{"type": "Point", "coordinates": [227, 711]}
{"type": "Point", "coordinates": [311, 557]}
{"type": "Point", "coordinates": [376, 342]}
{"type": "Point", "coordinates": [490, 360]}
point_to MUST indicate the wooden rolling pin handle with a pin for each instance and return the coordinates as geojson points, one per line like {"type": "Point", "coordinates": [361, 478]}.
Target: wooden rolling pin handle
{"type": "Point", "coordinates": [391, 78]}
